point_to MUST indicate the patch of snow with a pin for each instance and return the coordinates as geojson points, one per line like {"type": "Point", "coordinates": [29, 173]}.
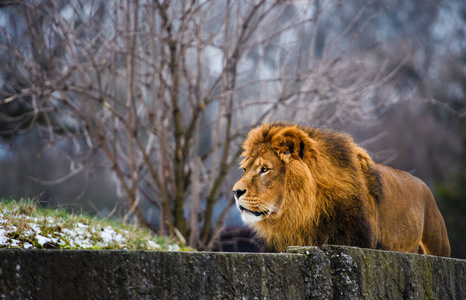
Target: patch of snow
{"type": "Point", "coordinates": [3, 238]}
{"type": "Point", "coordinates": [108, 234]}
{"type": "Point", "coordinates": [173, 247]}
{"type": "Point", "coordinates": [42, 239]}
{"type": "Point", "coordinates": [153, 245]}
{"type": "Point", "coordinates": [34, 227]}
{"type": "Point", "coordinates": [83, 243]}
{"type": "Point", "coordinates": [69, 232]}
{"type": "Point", "coordinates": [81, 225]}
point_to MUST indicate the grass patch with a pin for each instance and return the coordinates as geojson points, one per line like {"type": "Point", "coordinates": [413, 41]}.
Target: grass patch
{"type": "Point", "coordinates": [25, 224]}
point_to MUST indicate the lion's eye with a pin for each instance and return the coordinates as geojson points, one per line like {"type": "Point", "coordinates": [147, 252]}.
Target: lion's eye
{"type": "Point", "coordinates": [263, 170]}
{"type": "Point", "coordinates": [244, 169]}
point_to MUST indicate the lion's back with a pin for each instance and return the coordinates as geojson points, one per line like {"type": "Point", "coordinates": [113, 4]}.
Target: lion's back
{"type": "Point", "coordinates": [408, 214]}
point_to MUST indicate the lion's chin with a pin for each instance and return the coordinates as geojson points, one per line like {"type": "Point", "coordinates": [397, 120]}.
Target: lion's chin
{"type": "Point", "coordinates": [249, 216]}
{"type": "Point", "coordinates": [249, 219]}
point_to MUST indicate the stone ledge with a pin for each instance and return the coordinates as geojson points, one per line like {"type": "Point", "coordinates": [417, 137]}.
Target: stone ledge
{"type": "Point", "coordinates": [373, 274]}
{"type": "Point", "coordinates": [329, 272]}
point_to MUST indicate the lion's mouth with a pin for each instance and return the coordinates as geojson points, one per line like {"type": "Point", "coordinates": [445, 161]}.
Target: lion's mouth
{"type": "Point", "coordinates": [256, 213]}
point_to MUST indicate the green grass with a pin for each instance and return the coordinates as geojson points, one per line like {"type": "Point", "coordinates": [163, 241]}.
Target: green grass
{"type": "Point", "coordinates": [25, 224]}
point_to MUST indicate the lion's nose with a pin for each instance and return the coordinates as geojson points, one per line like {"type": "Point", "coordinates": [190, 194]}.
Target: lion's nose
{"type": "Point", "coordinates": [239, 193]}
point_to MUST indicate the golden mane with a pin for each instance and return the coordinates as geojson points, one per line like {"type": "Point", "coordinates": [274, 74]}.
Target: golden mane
{"type": "Point", "coordinates": [329, 189]}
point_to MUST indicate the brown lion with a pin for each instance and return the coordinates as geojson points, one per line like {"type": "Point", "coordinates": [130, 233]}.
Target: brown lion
{"type": "Point", "coordinates": [307, 186]}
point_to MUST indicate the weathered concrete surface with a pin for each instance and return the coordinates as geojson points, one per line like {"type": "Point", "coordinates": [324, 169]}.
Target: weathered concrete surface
{"type": "Point", "coordinates": [329, 272]}
{"type": "Point", "coordinates": [371, 274]}
{"type": "Point", "coordinates": [47, 274]}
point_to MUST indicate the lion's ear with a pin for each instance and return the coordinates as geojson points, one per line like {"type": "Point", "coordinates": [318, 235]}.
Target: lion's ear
{"type": "Point", "coordinates": [292, 143]}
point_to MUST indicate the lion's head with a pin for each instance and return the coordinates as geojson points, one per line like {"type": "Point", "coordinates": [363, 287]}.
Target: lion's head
{"type": "Point", "coordinates": [270, 152]}
{"type": "Point", "coordinates": [277, 194]}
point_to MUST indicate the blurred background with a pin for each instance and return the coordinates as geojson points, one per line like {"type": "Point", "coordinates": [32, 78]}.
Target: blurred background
{"type": "Point", "coordinates": [137, 109]}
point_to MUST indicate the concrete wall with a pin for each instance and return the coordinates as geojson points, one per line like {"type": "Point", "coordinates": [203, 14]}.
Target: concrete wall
{"type": "Point", "coordinates": [328, 272]}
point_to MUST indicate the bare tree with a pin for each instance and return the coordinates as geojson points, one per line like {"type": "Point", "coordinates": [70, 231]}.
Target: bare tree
{"type": "Point", "coordinates": [167, 89]}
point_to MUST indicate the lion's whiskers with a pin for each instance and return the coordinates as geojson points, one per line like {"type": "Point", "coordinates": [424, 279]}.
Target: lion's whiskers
{"type": "Point", "coordinates": [270, 208]}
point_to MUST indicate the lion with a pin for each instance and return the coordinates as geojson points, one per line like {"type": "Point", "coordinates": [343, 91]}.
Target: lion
{"type": "Point", "coordinates": [306, 186]}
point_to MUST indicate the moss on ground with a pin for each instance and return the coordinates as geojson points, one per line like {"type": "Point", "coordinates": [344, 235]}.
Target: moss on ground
{"type": "Point", "coordinates": [25, 224]}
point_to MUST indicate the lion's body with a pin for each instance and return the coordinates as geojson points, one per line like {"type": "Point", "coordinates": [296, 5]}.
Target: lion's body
{"type": "Point", "coordinates": [306, 186]}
